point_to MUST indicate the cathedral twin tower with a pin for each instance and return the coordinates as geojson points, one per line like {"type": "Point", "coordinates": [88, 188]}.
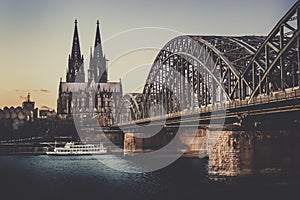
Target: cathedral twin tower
{"type": "Point", "coordinates": [75, 95]}
{"type": "Point", "coordinates": [97, 69]}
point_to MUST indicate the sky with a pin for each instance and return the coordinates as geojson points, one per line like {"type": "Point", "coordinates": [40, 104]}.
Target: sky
{"type": "Point", "coordinates": [36, 37]}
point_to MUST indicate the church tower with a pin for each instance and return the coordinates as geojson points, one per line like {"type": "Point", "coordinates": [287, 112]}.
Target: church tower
{"type": "Point", "coordinates": [75, 72]}
{"type": "Point", "coordinates": [97, 69]}
{"type": "Point", "coordinates": [97, 96]}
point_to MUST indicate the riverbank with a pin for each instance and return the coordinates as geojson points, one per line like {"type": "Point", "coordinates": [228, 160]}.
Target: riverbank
{"type": "Point", "coordinates": [23, 149]}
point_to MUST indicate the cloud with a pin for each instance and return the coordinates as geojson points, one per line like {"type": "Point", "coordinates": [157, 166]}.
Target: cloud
{"type": "Point", "coordinates": [45, 108]}
{"type": "Point", "coordinates": [44, 90]}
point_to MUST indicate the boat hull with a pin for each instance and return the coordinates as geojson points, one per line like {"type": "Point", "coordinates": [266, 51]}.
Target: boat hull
{"type": "Point", "coordinates": [74, 154]}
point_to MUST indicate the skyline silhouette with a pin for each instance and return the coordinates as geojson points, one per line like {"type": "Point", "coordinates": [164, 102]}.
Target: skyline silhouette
{"type": "Point", "coordinates": [37, 36]}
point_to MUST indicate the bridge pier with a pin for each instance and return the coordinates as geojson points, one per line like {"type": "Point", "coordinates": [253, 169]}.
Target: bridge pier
{"type": "Point", "coordinates": [191, 142]}
{"type": "Point", "coordinates": [231, 154]}
{"type": "Point", "coordinates": [228, 153]}
{"type": "Point", "coordinates": [137, 142]}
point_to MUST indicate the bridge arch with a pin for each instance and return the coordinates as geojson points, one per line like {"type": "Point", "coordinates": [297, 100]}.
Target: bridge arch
{"type": "Point", "coordinates": [200, 69]}
{"type": "Point", "coordinates": [130, 108]}
{"type": "Point", "coordinates": [194, 71]}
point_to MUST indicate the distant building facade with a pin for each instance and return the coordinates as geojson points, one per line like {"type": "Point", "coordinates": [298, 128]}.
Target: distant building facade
{"type": "Point", "coordinates": [96, 96]}
{"type": "Point", "coordinates": [45, 113]}
{"type": "Point", "coordinates": [16, 118]}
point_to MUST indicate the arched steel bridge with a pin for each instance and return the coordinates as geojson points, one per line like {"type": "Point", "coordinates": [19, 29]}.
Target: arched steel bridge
{"type": "Point", "coordinates": [198, 71]}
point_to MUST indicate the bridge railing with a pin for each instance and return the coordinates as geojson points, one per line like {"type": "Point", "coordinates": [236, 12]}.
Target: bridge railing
{"type": "Point", "coordinates": [273, 97]}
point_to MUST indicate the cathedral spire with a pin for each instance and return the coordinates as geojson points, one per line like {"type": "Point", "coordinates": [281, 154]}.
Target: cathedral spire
{"type": "Point", "coordinates": [76, 53]}
{"type": "Point", "coordinates": [98, 36]}
{"type": "Point", "coordinates": [99, 59]}
{"type": "Point", "coordinates": [76, 69]}
{"type": "Point", "coordinates": [98, 44]}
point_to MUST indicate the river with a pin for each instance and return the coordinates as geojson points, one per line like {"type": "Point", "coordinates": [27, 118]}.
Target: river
{"type": "Point", "coordinates": [257, 166]}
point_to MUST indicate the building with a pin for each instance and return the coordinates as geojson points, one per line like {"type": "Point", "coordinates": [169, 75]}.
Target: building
{"type": "Point", "coordinates": [46, 113]}
{"type": "Point", "coordinates": [96, 96]}
{"type": "Point", "coordinates": [29, 106]}
{"type": "Point", "coordinates": [15, 118]}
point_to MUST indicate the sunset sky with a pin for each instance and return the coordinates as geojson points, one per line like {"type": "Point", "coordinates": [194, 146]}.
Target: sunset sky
{"type": "Point", "coordinates": [36, 36]}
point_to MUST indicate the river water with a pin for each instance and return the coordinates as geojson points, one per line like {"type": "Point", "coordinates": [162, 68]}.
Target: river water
{"type": "Point", "coordinates": [256, 166]}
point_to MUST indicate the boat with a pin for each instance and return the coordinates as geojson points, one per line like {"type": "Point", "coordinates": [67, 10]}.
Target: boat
{"type": "Point", "coordinates": [71, 148]}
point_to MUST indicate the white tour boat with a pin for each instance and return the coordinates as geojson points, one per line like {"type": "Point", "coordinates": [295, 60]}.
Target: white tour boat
{"type": "Point", "coordinates": [78, 149]}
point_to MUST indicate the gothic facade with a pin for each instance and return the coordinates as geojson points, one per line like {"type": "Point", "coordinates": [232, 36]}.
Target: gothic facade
{"type": "Point", "coordinates": [96, 96]}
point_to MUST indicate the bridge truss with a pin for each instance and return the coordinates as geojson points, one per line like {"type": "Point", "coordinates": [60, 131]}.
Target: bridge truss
{"type": "Point", "coordinates": [197, 71]}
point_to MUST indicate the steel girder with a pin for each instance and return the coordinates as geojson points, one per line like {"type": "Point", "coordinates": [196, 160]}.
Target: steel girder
{"type": "Point", "coordinates": [130, 108]}
{"type": "Point", "coordinates": [195, 71]}
{"type": "Point", "coordinates": [275, 65]}
{"type": "Point", "coordinates": [211, 67]}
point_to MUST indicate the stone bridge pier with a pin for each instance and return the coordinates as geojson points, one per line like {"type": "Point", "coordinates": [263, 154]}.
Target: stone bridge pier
{"type": "Point", "coordinates": [228, 153]}
{"type": "Point", "coordinates": [190, 142]}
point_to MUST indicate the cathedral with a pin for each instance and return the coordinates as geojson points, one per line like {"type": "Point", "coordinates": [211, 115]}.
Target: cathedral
{"type": "Point", "coordinates": [94, 97]}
